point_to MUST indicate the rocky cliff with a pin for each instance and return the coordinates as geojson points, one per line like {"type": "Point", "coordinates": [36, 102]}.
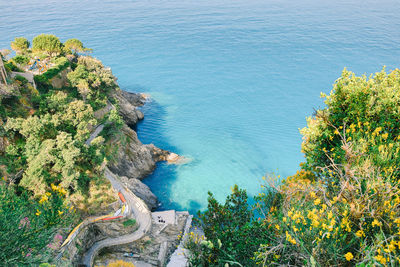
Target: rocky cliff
{"type": "Point", "coordinates": [132, 160]}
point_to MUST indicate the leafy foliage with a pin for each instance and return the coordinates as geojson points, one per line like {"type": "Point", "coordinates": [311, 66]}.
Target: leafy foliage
{"type": "Point", "coordinates": [53, 142]}
{"type": "Point", "coordinates": [27, 227]}
{"type": "Point", "coordinates": [47, 43]}
{"type": "Point", "coordinates": [20, 45]}
{"type": "Point", "coordinates": [74, 46]}
{"type": "Point", "coordinates": [231, 232]}
{"type": "Point", "coordinates": [21, 60]}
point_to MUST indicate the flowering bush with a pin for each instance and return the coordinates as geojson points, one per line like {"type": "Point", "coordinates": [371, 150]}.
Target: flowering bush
{"type": "Point", "coordinates": [28, 227]}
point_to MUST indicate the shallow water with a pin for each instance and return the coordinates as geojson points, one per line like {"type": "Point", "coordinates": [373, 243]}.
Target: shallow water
{"type": "Point", "coordinates": [231, 81]}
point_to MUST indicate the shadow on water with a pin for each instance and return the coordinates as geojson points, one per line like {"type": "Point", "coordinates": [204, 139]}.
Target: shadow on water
{"type": "Point", "coordinates": [152, 130]}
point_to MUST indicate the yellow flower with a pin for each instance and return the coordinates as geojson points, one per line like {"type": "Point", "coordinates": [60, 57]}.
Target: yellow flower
{"type": "Point", "coordinates": [60, 212]}
{"type": "Point", "coordinates": [385, 136]}
{"type": "Point", "coordinates": [284, 219]}
{"type": "Point", "coordinates": [277, 226]}
{"type": "Point", "coordinates": [328, 235]}
{"type": "Point", "coordinates": [53, 187]}
{"type": "Point", "coordinates": [376, 223]}
{"type": "Point", "coordinates": [324, 206]}
{"type": "Point", "coordinates": [349, 256]}
{"type": "Point", "coordinates": [38, 212]}
{"type": "Point", "coordinates": [290, 238]}
{"type": "Point", "coordinates": [330, 215]}
{"type": "Point", "coordinates": [317, 201]}
{"type": "Point", "coordinates": [360, 233]}
{"type": "Point", "coordinates": [43, 199]}
{"type": "Point", "coordinates": [62, 191]}
{"type": "Point", "coordinates": [381, 259]}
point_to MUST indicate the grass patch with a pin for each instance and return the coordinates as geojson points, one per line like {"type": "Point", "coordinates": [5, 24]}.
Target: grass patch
{"type": "Point", "coordinates": [129, 222]}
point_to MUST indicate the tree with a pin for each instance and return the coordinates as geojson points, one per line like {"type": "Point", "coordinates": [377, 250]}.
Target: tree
{"type": "Point", "coordinates": [231, 232]}
{"type": "Point", "coordinates": [47, 43]}
{"type": "Point", "coordinates": [74, 46]}
{"type": "Point", "coordinates": [53, 143]}
{"type": "Point", "coordinates": [20, 45]}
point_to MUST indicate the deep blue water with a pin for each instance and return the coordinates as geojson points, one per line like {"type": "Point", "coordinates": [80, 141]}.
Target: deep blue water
{"type": "Point", "coordinates": [231, 81]}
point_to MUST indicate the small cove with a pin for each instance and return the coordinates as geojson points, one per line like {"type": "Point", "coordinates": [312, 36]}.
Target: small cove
{"type": "Point", "coordinates": [231, 81]}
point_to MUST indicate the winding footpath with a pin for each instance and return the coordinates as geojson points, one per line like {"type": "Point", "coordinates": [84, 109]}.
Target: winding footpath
{"type": "Point", "coordinates": [142, 216]}
{"type": "Point", "coordinates": [137, 207]}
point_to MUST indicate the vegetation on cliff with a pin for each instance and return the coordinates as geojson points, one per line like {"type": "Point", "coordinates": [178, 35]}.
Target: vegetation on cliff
{"type": "Point", "coordinates": [340, 209]}
{"type": "Point", "coordinates": [48, 170]}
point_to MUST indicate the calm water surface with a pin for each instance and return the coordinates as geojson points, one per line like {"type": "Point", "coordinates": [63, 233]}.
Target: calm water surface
{"type": "Point", "coordinates": [231, 81]}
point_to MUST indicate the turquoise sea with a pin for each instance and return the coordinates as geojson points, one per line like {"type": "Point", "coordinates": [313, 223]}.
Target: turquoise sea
{"type": "Point", "coordinates": [231, 81]}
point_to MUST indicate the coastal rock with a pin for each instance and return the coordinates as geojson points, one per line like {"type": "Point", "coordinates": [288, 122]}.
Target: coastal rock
{"type": "Point", "coordinates": [132, 159]}
{"type": "Point", "coordinates": [142, 191]}
{"type": "Point", "coordinates": [135, 98]}
{"type": "Point", "coordinates": [128, 103]}
{"type": "Point", "coordinates": [164, 155]}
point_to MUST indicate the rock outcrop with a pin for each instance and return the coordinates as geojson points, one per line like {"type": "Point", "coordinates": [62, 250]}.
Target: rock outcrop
{"type": "Point", "coordinates": [128, 103]}
{"type": "Point", "coordinates": [133, 160]}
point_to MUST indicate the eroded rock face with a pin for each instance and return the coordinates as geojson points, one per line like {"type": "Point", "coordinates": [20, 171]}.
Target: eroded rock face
{"type": "Point", "coordinates": [128, 103]}
{"type": "Point", "coordinates": [133, 159]}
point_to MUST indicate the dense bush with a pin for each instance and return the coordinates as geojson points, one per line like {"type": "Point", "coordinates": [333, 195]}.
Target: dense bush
{"type": "Point", "coordinates": [10, 66]}
{"type": "Point", "coordinates": [21, 79]}
{"type": "Point", "coordinates": [53, 143]}
{"type": "Point", "coordinates": [28, 227]}
{"type": "Point", "coordinates": [21, 60]}
{"type": "Point", "coordinates": [231, 233]}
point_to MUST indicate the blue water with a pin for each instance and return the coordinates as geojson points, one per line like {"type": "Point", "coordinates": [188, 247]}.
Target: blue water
{"type": "Point", "coordinates": [231, 81]}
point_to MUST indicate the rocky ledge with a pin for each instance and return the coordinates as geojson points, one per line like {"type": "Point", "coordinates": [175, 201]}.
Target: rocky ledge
{"type": "Point", "coordinates": [132, 161]}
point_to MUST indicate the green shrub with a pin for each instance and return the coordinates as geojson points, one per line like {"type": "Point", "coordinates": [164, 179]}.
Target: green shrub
{"type": "Point", "coordinates": [27, 226]}
{"type": "Point", "coordinates": [21, 60]}
{"type": "Point", "coordinates": [129, 222]}
{"type": "Point", "coordinates": [20, 78]}
{"type": "Point", "coordinates": [10, 66]}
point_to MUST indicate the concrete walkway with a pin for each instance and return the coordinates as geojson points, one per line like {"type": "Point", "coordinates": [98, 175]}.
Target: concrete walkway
{"type": "Point", "coordinates": [142, 216]}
